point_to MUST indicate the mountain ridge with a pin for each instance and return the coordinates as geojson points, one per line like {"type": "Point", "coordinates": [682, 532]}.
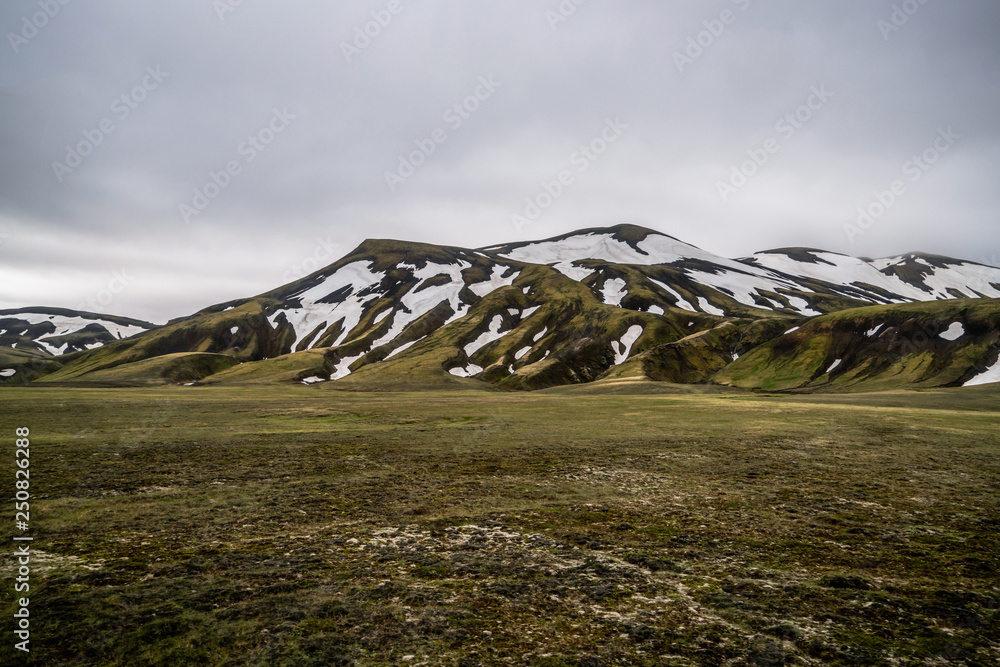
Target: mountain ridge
{"type": "Point", "coordinates": [572, 308]}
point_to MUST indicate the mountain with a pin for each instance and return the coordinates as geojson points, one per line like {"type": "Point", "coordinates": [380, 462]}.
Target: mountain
{"type": "Point", "coordinates": [597, 303]}
{"type": "Point", "coordinates": [947, 343]}
{"type": "Point", "coordinates": [31, 337]}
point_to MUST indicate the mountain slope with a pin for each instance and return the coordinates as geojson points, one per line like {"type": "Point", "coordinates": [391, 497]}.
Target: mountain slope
{"type": "Point", "coordinates": [31, 338]}
{"type": "Point", "coordinates": [949, 343]}
{"type": "Point", "coordinates": [57, 331]}
{"type": "Point", "coordinates": [616, 302]}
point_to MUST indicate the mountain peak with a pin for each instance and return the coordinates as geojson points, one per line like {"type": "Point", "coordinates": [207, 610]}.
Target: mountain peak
{"type": "Point", "coordinates": [528, 314]}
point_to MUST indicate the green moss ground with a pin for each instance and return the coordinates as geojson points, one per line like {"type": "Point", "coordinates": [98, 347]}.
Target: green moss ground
{"type": "Point", "coordinates": [306, 526]}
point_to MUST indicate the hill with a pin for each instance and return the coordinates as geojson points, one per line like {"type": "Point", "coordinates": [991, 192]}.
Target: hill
{"type": "Point", "coordinates": [622, 302]}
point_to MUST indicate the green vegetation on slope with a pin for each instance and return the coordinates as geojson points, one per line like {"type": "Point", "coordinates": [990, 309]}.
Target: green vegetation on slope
{"type": "Point", "coordinates": [241, 332]}
{"type": "Point", "coordinates": [26, 364]}
{"type": "Point", "coordinates": [935, 344]}
{"type": "Point", "coordinates": [180, 368]}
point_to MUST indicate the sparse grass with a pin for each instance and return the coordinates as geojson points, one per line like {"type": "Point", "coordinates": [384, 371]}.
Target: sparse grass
{"type": "Point", "coordinates": [305, 526]}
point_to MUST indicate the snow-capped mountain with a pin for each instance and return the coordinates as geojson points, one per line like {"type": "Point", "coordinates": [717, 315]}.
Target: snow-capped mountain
{"type": "Point", "coordinates": [31, 339]}
{"type": "Point", "coordinates": [327, 309]}
{"type": "Point", "coordinates": [568, 309]}
{"type": "Point", "coordinates": [56, 331]}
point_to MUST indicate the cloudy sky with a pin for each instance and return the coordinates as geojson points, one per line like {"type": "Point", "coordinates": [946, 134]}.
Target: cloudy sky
{"type": "Point", "coordinates": [195, 151]}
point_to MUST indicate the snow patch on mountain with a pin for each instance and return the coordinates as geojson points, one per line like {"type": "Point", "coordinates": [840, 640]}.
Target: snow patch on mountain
{"type": "Point", "coordinates": [965, 278]}
{"type": "Point", "coordinates": [65, 325]}
{"type": "Point", "coordinates": [623, 347]}
{"type": "Point", "coordinates": [577, 273]}
{"type": "Point", "coordinates": [709, 308]}
{"type": "Point", "coordinates": [775, 271]}
{"type": "Point", "coordinates": [487, 337]}
{"type": "Point", "coordinates": [954, 332]}
{"type": "Point", "coordinates": [971, 280]}
{"type": "Point", "coordinates": [343, 368]}
{"type": "Point", "coordinates": [990, 376]}
{"type": "Point", "coordinates": [741, 286]}
{"type": "Point", "coordinates": [614, 291]}
{"type": "Point", "coordinates": [680, 301]}
{"type": "Point", "coordinates": [51, 349]}
{"type": "Point", "coordinates": [402, 348]}
{"type": "Point", "coordinates": [418, 302]}
{"type": "Point", "coordinates": [802, 306]}
{"type": "Point", "coordinates": [469, 371]}
{"type": "Point", "coordinates": [495, 282]}
{"type": "Point", "coordinates": [654, 249]}
{"type": "Point", "coordinates": [311, 314]}
{"type": "Point", "coordinates": [602, 246]}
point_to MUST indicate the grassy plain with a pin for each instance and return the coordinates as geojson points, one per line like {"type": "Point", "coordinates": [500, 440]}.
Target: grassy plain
{"type": "Point", "coordinates": [638, 524]}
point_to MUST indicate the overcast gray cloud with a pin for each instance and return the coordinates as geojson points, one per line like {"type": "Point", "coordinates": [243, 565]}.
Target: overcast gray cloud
{"type": "Point", "coordinates": [227, 144]}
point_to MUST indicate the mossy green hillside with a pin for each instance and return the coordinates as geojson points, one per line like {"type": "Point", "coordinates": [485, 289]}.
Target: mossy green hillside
{"type": "Point", "coordinates": [943, 343]}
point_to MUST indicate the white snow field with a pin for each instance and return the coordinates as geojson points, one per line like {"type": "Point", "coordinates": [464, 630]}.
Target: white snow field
{"type": "Point", "coordinates": [66, 325]}
{"type": "Point", "coordinates": [971, 280]}
{"type": "Point", "coordinates": [954, 332]}
{"type": "Point", "coordinates": [614, 291]}
{"type": "Point", "coordinates": [487, 337]}
{"type": "Point", "coordinates": [681, 303]}
{"type": "Point", "coordinates": [343, 369]}
{"type": "Point", "coordinates": [709, 308]}
{"type": "Point", "coordinates": [312, 314]}
{"type": "Point", "coordinates": [623, 347]}
{"type": "Point", "coordinates": [495, 282]}
{"type": "Point", "coordinates": [469, 371]}
{"type": "Point", "coordinates": [990, 376]}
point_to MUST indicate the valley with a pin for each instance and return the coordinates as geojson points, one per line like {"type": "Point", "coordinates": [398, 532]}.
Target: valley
{"type": "Point", "coordinates": [621, 522]}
